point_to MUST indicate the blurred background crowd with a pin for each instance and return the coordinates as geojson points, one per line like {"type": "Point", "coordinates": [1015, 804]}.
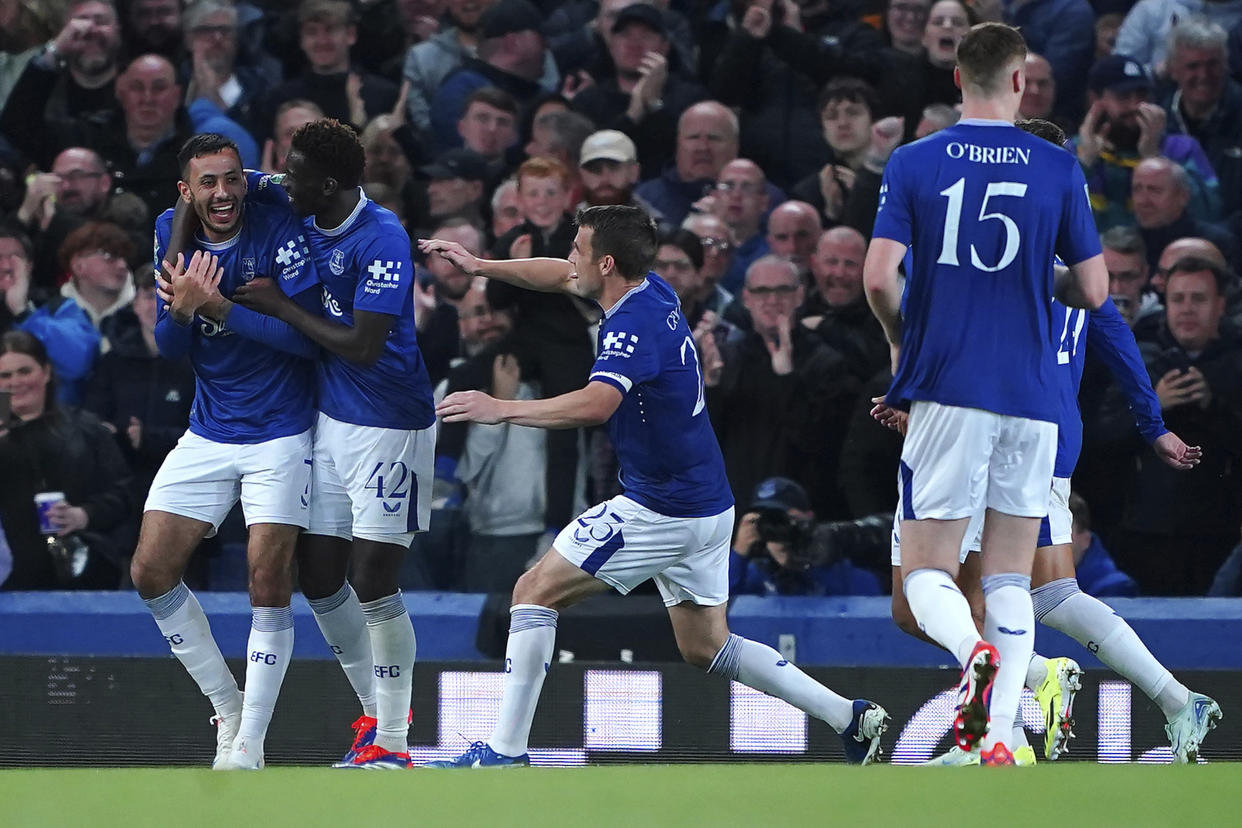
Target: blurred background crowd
{"type": "Point", "coordinates": [756, 133]}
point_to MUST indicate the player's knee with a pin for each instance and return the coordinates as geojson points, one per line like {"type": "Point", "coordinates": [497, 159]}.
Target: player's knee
{"type": "Point", "coordinates": [529, 589]}
{"type": "Point", "coordinates": [698, 653]}
{"type": "Point", "coordinates": [151, 577]}
{"type": "Point", "coordinates": [270, 585]}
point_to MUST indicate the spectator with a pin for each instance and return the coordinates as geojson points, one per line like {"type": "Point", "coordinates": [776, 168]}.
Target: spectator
{"type": "Point", "coordinates": [488, 126]}
{"type": "Point", "coordinates": [679, 258]}
{"type": "Point", "coordinates": [904, 22]}
{"type": "Point", "coordinates": [717, 257]}
{"type": "Point", "coordinates": [1205, 104]}
{"type": "Point", "coordinates": [1161, 192]}
{"type": "Point", "coordinates": [580, 34]}
{"type": "Point", "coordinates": [608, 169]}
{"type": "Point", "coordinates": [706, 140]}
{"type": "Point", "coordinates": [1179, 249]}
{"type": "Point", "coordinates": [289, 116]}
{"type": "Point", "coordinates": [846, 190]}
{"type": "Point", "coordinates": [138, 395]}
{"type": "Point", "coordinates": [511, 57]}
{"type": "Point", "coordinates": [49, 448]}
{"type": "Point", "coordinates": [1178, 529]}
{"type": "Point", "coordinates": [560, 136]}
{"type": "Point", "coordinates": [913, 83]}
{"type": "Point", "coordinates": [771, 69]}
{"type": "Point", "coordinates": [547, 228]}
{"type": "Point", "coordinates": [1121, 128]}
{"type": "Point", "coordinates": [96, 256]}
{"type": "Point", "coordinates": [71, 79]}
{"type": "Point", "coordinates": [455, 186]}
{"type": "Point", "coordinates": [1094, 567]}
{"type": "Point", "coordinates": [793, 229]}
{"type": "Point", "coordinates": [75, 191]}
{"type": "Point", "coordinates": [506, 214]}
{"type": "Point", "coordinates": [837, 310]}
{"type": "Point", "coordinates": [327, 29]}
{"type": "Point", "coordinates": [1106, 27]}
{"type": "Point", "coordinates": [1125, 256]}
{"type": "Point", "coordinates": [780, 401]}
{"type": "Point", "coordinates": [388, 165]}
{"type": "Point", "coordinates": [1063, 31]}
{"type": "Point", "coordinates": [505, 513]}
{"type": "Point", "coordinates": [1040, 94]}
{"type": "Point", "coordinates": [217, 79]}
{"type": "Point", "coordinates": [741, 201]}
{"type": "Point", "coordinates": [63, 327]}
{"type": "Point", "coordinates": [644, 95]}
{"type": "Point", "coordinates": [427, 64]}
{"type": "Point", "coordinates": [387, 44]}
{"type": "Point", "coordinates": [438, 337]}
{"type": "Point", "coordinates": [935, 118]}
{"type": "Point", "coordinates": [154, 27]}
{"type": "Point", "coordinates": [771, 550]}
{"type": "Point", "coordinates": [1144, 33]}
{"type": "Point", "coordinates": [24, 34]}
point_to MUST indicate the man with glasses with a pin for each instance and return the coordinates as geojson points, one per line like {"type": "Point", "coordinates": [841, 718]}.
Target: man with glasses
{"type": "Point", "coordinates": [717, 257]}
{"type": "Point", "coordinates": [782, 394]}
{"type": "Point", "coordinates": [741, 199]}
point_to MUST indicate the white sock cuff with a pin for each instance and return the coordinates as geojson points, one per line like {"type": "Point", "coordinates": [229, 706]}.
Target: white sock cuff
{"type": "Point", "coordinates": [383, 609]}
{"type": "Point", "coordinates": [524, 617]}
{"type": "Point", "coordinates": [1051, 595]}
{"type": "Point", "coordinates": [991, 583]}
{"type": "Point", "coordinates": [322, 606]}
{"type": "Point", "coordinates": [728, 661]}
{"type": "Point", "coordinates": [168, 603]}
{"type": "Point", "coordinates": [271, 619]}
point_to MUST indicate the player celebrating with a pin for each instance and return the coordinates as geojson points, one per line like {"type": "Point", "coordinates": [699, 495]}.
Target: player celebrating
{"type": "Point", "coordinates": [983, 207]}
{"type": "Point", "coordinates": [1058, 601]}
{"type": "Point", "coordinates": [374, 441]}
{"type": "Point", "coordinates": [249, 437]}
{"type": "Point", "coordinates": [674, 521]}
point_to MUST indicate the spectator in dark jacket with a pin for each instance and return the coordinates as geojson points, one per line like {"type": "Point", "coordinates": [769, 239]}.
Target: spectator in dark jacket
{"type": "Point", "coordinates": [837, 309]}
{"type": "Point", "coordinates": [140, 396]}
{"type": "Point", "coordinates": [1177, 529]}
{"type": "Point", "coordinates": [47, 448]}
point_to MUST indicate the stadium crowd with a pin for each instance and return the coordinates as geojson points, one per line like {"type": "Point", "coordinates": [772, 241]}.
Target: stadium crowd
{"type": "Point", "coordinates": [755, 133]}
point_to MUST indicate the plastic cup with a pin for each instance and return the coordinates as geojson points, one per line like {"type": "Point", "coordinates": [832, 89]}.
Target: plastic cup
{"type": "Point", "coordinates": [44, 501]}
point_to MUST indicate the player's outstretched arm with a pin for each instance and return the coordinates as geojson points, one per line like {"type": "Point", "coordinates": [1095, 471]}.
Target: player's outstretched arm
{"type": "Point", "coordinates": [587, 406]}
{"type": "Point", "coordinates": [362, 343]}
{"type": "Point", "coordinates": [1083, 285]}
{"type": "Point", "coordinates": [547, 275]}
{"type": "Point", "coordinates": [883, 289]}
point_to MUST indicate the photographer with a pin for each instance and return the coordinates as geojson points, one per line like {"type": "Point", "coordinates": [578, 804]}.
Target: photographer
{"type": "Point", "coordinates": [774, 551]}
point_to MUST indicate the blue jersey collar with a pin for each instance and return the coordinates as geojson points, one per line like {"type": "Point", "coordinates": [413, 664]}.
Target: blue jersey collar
{"type": "Point", "coordinates": [984, 122]}
{"type": "Point", "coordinates": [637, 288]}
{"type": "Point", "coordinates": [216, 247]}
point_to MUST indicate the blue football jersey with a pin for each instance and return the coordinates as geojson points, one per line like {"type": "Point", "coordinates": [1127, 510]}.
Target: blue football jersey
{"type": "Point", "coordinates": [245, 392]}
{"type": "Point", "coordinates": [365, 264]}
{"type": "Point", "coordinates": [983, 207]}
{"type": "Point", "coordinates": [1107, 335]}
{"type": "Point", "coordinates": [670, 460]}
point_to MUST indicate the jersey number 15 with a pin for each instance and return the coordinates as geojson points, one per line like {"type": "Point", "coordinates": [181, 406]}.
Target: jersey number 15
{"type": "Point", "coordinates": [953, 220]}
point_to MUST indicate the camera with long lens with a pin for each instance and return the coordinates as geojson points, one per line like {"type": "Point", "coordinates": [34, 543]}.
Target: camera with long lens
{"type": "Point", "coordinates": [777, 526]}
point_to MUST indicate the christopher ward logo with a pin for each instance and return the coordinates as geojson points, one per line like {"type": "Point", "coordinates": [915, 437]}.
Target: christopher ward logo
{"type": "Point", "coordinates": [619, 343]}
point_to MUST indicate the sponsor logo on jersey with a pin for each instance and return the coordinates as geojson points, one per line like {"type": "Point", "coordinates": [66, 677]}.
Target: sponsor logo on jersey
{"type": "Point", "coordinates": [619, 344]}
{"type": "Point", "coordinates": [292, 256]}
{"type": "Point", "coordinates": [330, 304]}
{"type": "Point", "coordinates": [382, 275]}
{"type": "Point", "coordinates": [337, 263]}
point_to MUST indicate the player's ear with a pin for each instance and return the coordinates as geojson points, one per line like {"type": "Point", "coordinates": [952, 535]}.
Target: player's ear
{"type": "Point", "coordinates": [957, 77]}
{"type": "Point", "coordinates": [330, 186]}
{"type": "Point", "coordinates": [1018, 79]}
{"type": "Point", "coordinates": [184, 189]}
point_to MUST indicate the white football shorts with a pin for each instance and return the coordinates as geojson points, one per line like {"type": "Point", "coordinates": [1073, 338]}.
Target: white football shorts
{"type": "Point", "coordinates": [202, 479]}
{"type": "Point", "coordinates": [957, 462]}
{"type": "Point", "coordinates": [371, 483]}
{"type": "Point", "coordinates": [623, 544]}
{"type": "Point", "coordinates": [1057, 528]}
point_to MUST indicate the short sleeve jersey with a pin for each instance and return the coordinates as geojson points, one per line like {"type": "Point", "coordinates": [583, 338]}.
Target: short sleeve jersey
{"type": "Point", "coordinates": [246, 392]}
{"type": "Point", "coordinates": [983, 207]}
{"type": "Point", "coordinates": [670, 460]}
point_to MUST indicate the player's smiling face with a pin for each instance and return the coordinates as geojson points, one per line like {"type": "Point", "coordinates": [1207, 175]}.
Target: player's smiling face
{"type": "Point", "coordinates": [215, 186]}
{"type": "Point", "coordinates": [303, 185]}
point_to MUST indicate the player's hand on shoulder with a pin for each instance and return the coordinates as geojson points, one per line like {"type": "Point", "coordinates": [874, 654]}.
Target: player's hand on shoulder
{"type": "Point", "coordinates": [470, 407]}
{"type": "Point", "coordinates": [454, 252]}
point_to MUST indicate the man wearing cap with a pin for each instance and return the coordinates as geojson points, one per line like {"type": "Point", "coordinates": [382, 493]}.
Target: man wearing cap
{"type": "Point", "coordinates": [771, 550]}
{"type": "Point", "coordinates": [455, 186]}
{"type": "Point", "coordinates": [327, 30]}
{"type": "Point", "coordinates": [642, 98]}
{"type": "Point", "coordinates": [1122, 128]}
{"type": "Point", "coordinates": [511, 57]}
{"type": "Point", "coordinates": [608, 168]}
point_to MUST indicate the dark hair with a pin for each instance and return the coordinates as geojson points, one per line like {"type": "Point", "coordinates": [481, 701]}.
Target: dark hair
{"type": "Point", "coordinates": [494, 97]}
{"type": "Point", "coordinates": [1198, 264]}
{"type": "Point", "coordinates": [686, 242]}
{"type": "Point", "coordinates": [9, 230]}
{"type": "Point", "coordinates": [986, 51]}
{"type": "Point", "coordinates": [333, 149]}
{"type": "Point", "coordinates": [854, 90]}
{"type": "Point", "coordinates": [23, 342]}
{"type": "Point", "coordinates": [626, 233]}
{"type": "Point", "coordinates": [205, 143]}
{"type": "Point", "coordinates": [1040, 128]}
{"type": "Point", "coordinates": [1126, 240]}
{"type": "Point", "coordinates": [95, 235]}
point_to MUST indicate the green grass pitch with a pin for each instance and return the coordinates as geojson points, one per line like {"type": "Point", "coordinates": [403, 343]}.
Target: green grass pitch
{"type": "Point", "coordinates": [683, 795]}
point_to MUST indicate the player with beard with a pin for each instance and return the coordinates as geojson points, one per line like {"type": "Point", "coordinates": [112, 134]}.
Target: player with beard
{"type": "Point", "coordinates": [249, 438]}
{"type": "Point", "coordinates": [1122, 128]}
